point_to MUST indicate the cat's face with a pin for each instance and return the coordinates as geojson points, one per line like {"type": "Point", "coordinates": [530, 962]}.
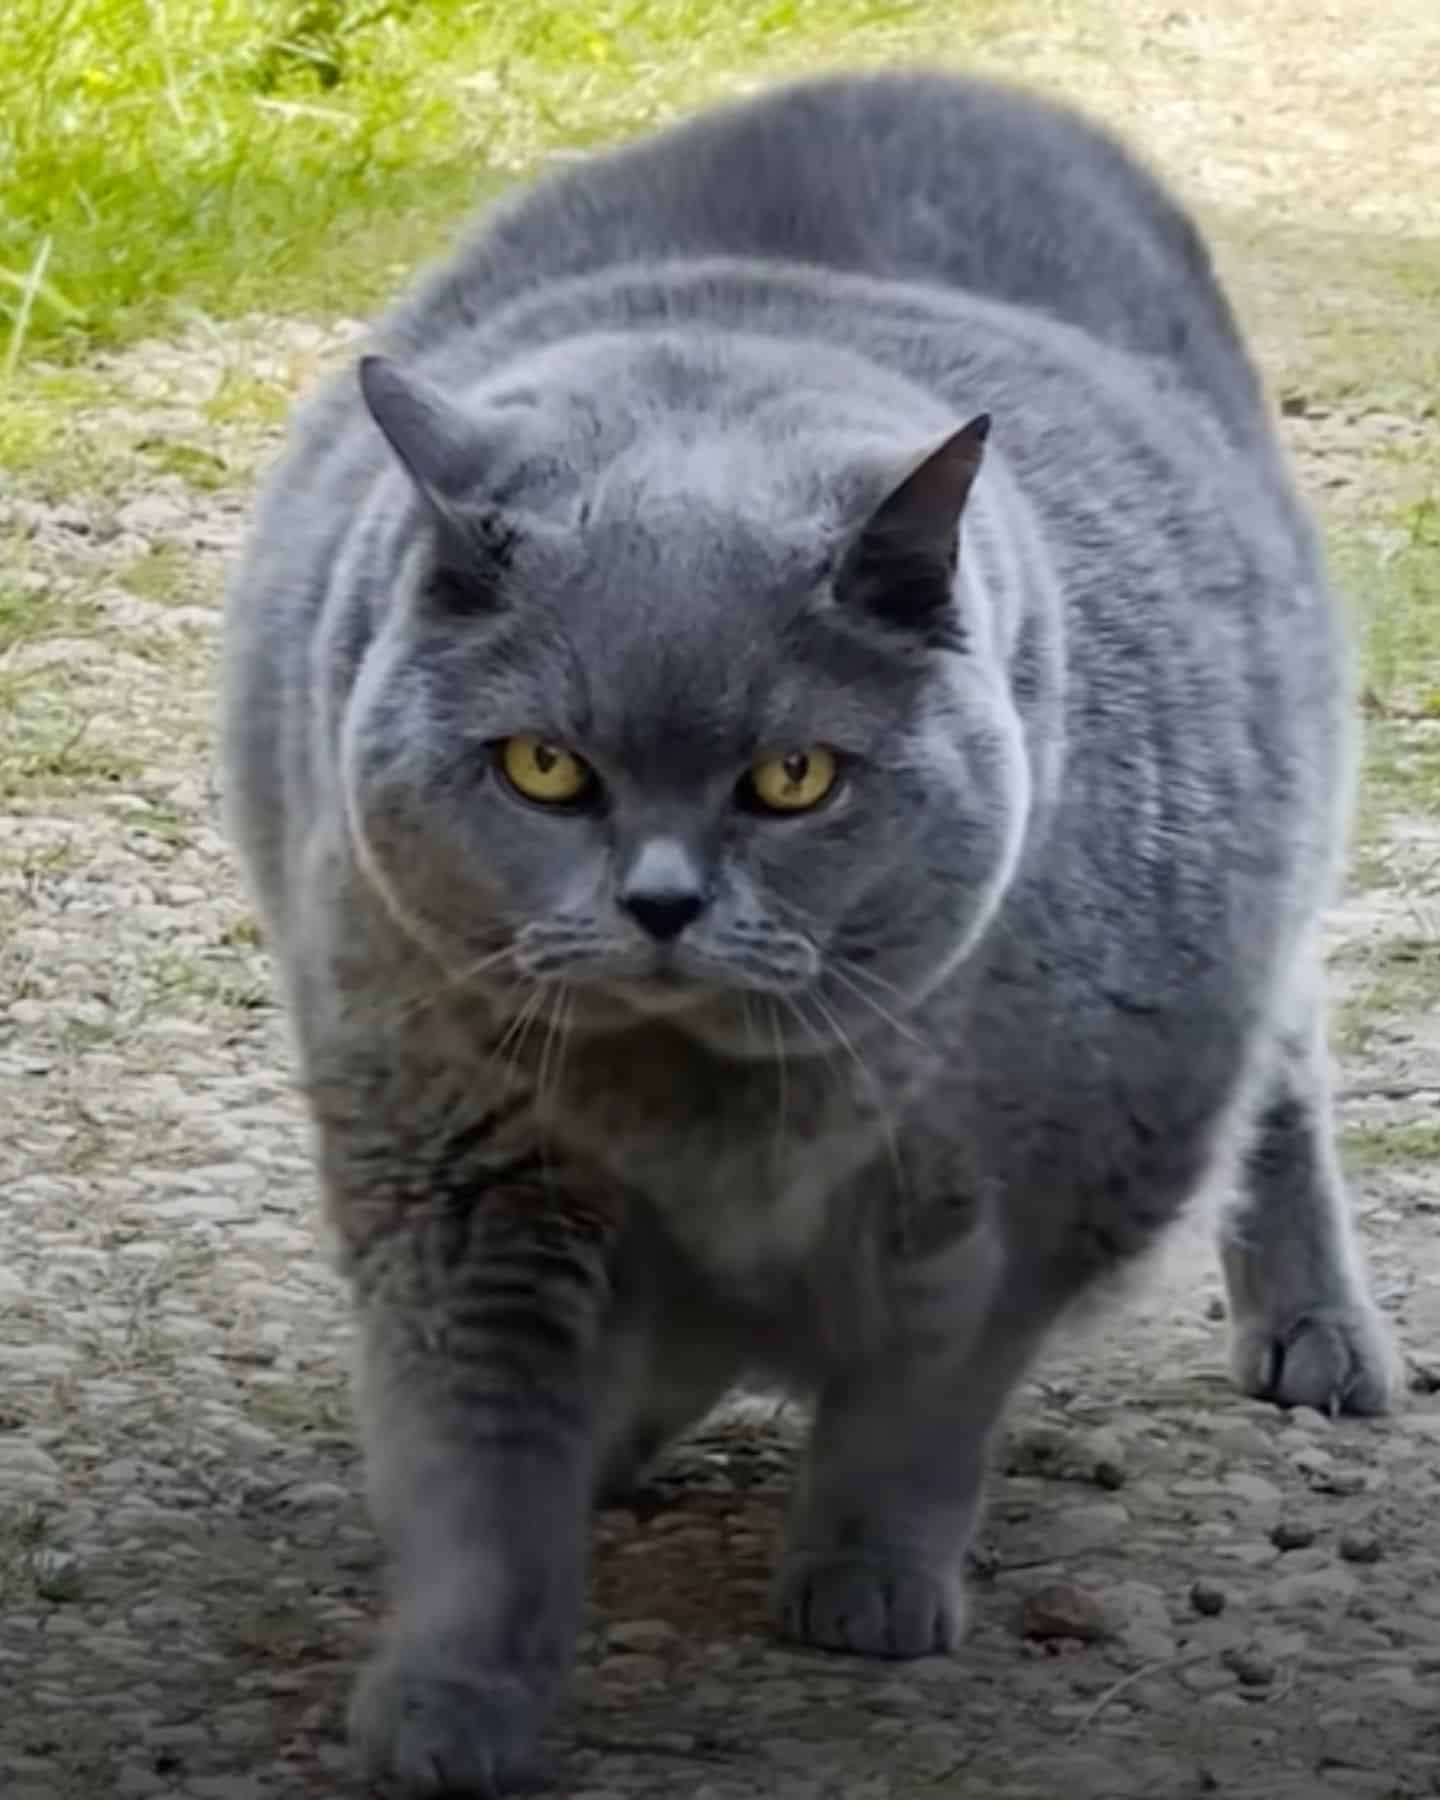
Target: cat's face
{"type": "Point", "coordinates": [669, 750]}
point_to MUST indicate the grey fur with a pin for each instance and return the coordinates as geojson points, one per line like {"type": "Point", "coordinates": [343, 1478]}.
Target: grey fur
{"type": "Point", "coordinates": [672, 478]}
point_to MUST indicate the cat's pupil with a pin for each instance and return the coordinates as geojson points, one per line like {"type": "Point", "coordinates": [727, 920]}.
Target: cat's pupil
{"type": "Point", "coordinates": [796, 768]}
{"type": "Point", "coordinates": [545, 757]}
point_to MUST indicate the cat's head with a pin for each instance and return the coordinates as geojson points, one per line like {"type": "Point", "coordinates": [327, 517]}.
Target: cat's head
{"type": "Point", "coordinates": [677, 697]}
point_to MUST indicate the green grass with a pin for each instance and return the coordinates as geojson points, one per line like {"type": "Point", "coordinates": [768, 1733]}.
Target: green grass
{"type": "Point", "coordinates": [230, 156]}
{"type": "Point", "coordinates": [164, 574]}
{"type": "Point", "coordinates": [29, 614]}
{"type": "Point", "coordinates": [1375, 1146]}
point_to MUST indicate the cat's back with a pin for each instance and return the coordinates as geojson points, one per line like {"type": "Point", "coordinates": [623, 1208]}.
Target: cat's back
{"type": "Point", "coordinates": [936, 179]}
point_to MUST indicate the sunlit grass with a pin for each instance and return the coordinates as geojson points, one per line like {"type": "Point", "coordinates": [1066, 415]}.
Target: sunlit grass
{"type": "Point", "coordinates": [234, 155]}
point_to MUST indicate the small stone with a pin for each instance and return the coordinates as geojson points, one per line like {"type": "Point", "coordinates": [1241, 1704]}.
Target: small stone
{"type": "Point", "coordinates": [1248, 1667]}
{"type": "Point", "coordinates": [1208, 1598]}
{"type": "Point", "coordinates": [1061, 1610]}
{"type": "Point", "coordinates": [58, 1577]}
{"type": "Point", "coordinates": [1361, 1547]}
{"type": "Point", "coordinates": [1109, 1475]}
{"type": "Point", "coordinates": [1342, 1482]}
{"type": "Point", "coordinates": [1253, 1488]}
{"type": "Point", "coordinates": [28, 1459]}
{"type": "Point", "coordinates": [1293, 1534]}
{"type": "Point", "coordinates": [632, 1671]}
{"type": "Point", "coordinates": [1078, 1530]}
{"type": "Point", "coordinates": [645, 1637]}
{"type": "Point", "coordinates": [1313, 1588]}
{"type": "Point", "coordinates": [1244, 1440]}
{"type": "Point", "coordinates": [1043, 1450]}
{"type": "Point", "coordinates": [1215, 1308]}
{"type": "Point", "coordinates": [311, 1496]}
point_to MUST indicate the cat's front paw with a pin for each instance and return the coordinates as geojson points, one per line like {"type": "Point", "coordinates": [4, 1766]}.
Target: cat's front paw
{"type": "Point", "coordinates": [1336, 1359]}
{"type": "Point", "coordinates": [870, 1605]}
{"type": "Point", "coordinates": [422, 1730]}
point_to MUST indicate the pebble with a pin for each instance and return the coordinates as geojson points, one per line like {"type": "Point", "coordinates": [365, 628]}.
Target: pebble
{"type": "Point", "coordinates": [1293, 1534]}
{"type": "Point", "coordinates": [1080, 1529]}
{"type": "Point", "coordinates": [631, 1670]}
{"type": "Point", "coordinates": [647, 1637]}
{"type": "Point", "coordinates": [1061, 1610]}
{"type": "Point", "coordinates": [310, 1496]}
{"type": "Point", "coordinates": [1248, 1667]}
{"type": "Point", "coordinates": [1208, 1598]}
{"type": "Point", "coordinates": [1311, 1588]}
{"type": "Point", "coordinates": [1254, 1488]}
{"type": "Point", "coordinates": [1342, 1482]}
{"type": "Point", "coordinates": [1361, 1546]}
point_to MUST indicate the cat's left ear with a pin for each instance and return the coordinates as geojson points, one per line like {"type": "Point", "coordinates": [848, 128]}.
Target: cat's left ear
{"type": "Point", "coordinates": [901, 564]}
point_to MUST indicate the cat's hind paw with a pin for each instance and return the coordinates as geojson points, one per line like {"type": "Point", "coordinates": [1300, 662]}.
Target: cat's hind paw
{"type": "Point", "coordinates": [1337, 1359]}
{"type": "Point", "coordinates": [869, 1605]}
{"type": "Point", "coordinates": [425, 1732]}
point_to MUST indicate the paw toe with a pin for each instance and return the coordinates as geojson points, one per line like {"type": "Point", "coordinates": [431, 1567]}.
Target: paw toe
{"type": "Point", "coordinates": [427, 1733]}
{"type": "Point", "coordinates": [869, 1606]}
{"type": "Point", "coordinates": [1336, 1360]}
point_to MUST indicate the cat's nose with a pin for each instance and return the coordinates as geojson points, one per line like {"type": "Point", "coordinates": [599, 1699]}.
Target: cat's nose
{"type": "Point", "coordinates": [663, 890]}
{"type": "Point", "coordinates": [664, 915]}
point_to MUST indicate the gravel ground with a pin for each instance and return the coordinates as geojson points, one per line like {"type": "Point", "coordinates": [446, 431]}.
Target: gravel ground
{"type": "Point", "coordinates": [1178, 1591]}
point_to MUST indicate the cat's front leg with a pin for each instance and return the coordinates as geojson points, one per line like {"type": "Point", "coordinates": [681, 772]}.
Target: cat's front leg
{"type": "Point", "coordinates": [891, 1490]}
{"type": "Point", "coordinates": [482, 1317]}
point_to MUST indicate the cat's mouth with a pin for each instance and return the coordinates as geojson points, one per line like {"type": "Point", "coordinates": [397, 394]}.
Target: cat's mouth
{"type": "Point", "coordinates": [664, 988]}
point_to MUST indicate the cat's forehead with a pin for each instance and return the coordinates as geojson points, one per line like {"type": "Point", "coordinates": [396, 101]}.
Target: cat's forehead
{"type": "Point", "coordinates": [680, 638]}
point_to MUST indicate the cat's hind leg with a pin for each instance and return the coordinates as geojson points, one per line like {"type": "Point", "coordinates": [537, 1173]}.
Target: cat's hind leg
{"type": "Point", "coordinates": [663, 1377]}
{"type": "Point", "coordinates": [1305, 1331]}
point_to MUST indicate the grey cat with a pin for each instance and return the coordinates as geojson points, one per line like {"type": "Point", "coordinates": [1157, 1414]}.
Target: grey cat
{"type": "Point", "coordinates": [771, 874]}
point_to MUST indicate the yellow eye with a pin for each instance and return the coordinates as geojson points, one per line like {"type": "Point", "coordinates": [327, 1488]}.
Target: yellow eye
{"type": "Point", "coordinates": [544, 772]}
{"type": "Point", "coordinates": [793, 783]}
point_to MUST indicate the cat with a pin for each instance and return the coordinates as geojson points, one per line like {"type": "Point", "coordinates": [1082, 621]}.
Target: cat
{"type": "Point", "coordinates": [790, 739]}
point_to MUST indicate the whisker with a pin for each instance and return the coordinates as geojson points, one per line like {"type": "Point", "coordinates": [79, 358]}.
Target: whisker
{"type": "Point", "coordinates": [782, 1088]}
{"type": "Point", "coordinates": [859, 971]}
{"type": "Point", "coordinates": [515, 1037]}
{"type": "Point", "coordinates": [544, 1087]}
{"type": "Point", "coordinates": [877, 1093]}
{"type": "Point", "coordinates": [842, 975]}
{"type": "Point", "coordinates": [450, 979]}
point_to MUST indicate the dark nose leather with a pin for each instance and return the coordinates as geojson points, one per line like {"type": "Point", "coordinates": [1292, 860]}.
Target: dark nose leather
{"type": "Point", "coordinates": [663, 889]}
{"type": "Point", "coordinates": [664, 913]}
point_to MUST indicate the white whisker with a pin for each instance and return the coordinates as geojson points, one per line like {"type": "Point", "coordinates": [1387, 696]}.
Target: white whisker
{"type": "Point", "coordinates": [834, 970]}
{"type": "Point", "coordinates": [450, 980]}
{"type": "Point", "coordinates": [782, 1087]}
{"type": "Point", "coordinates": [877, 1093]}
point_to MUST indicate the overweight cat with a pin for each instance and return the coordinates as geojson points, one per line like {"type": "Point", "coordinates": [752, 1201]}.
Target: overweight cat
{"type": "Point", "coordinates": [790, 737]}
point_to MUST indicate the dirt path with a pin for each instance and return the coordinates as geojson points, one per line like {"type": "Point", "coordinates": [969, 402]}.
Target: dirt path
{"type": "Point", "coordinates": [186, 1578]}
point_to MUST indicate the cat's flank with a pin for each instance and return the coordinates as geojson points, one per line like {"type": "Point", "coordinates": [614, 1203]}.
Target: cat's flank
{"type": "Point", "coordinates": [790, 735]}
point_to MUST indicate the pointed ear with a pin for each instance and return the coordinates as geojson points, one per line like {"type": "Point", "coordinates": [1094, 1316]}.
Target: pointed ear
{"type": "Point", "coordinates": [902, 563]}
{"type": "Point", "coordinates": [435, 441]}
{"type": "Point", "coordinates": [441, 449]}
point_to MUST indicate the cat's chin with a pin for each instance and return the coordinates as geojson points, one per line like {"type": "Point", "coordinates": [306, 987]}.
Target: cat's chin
{"type": "Point", "coordinates": [720, 1019]}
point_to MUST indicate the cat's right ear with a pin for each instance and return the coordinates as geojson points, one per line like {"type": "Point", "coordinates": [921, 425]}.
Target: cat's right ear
{"type": "Point", "coordinates": [436, 443]}
{"type": "Point", "coordinates": [443, 452]}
